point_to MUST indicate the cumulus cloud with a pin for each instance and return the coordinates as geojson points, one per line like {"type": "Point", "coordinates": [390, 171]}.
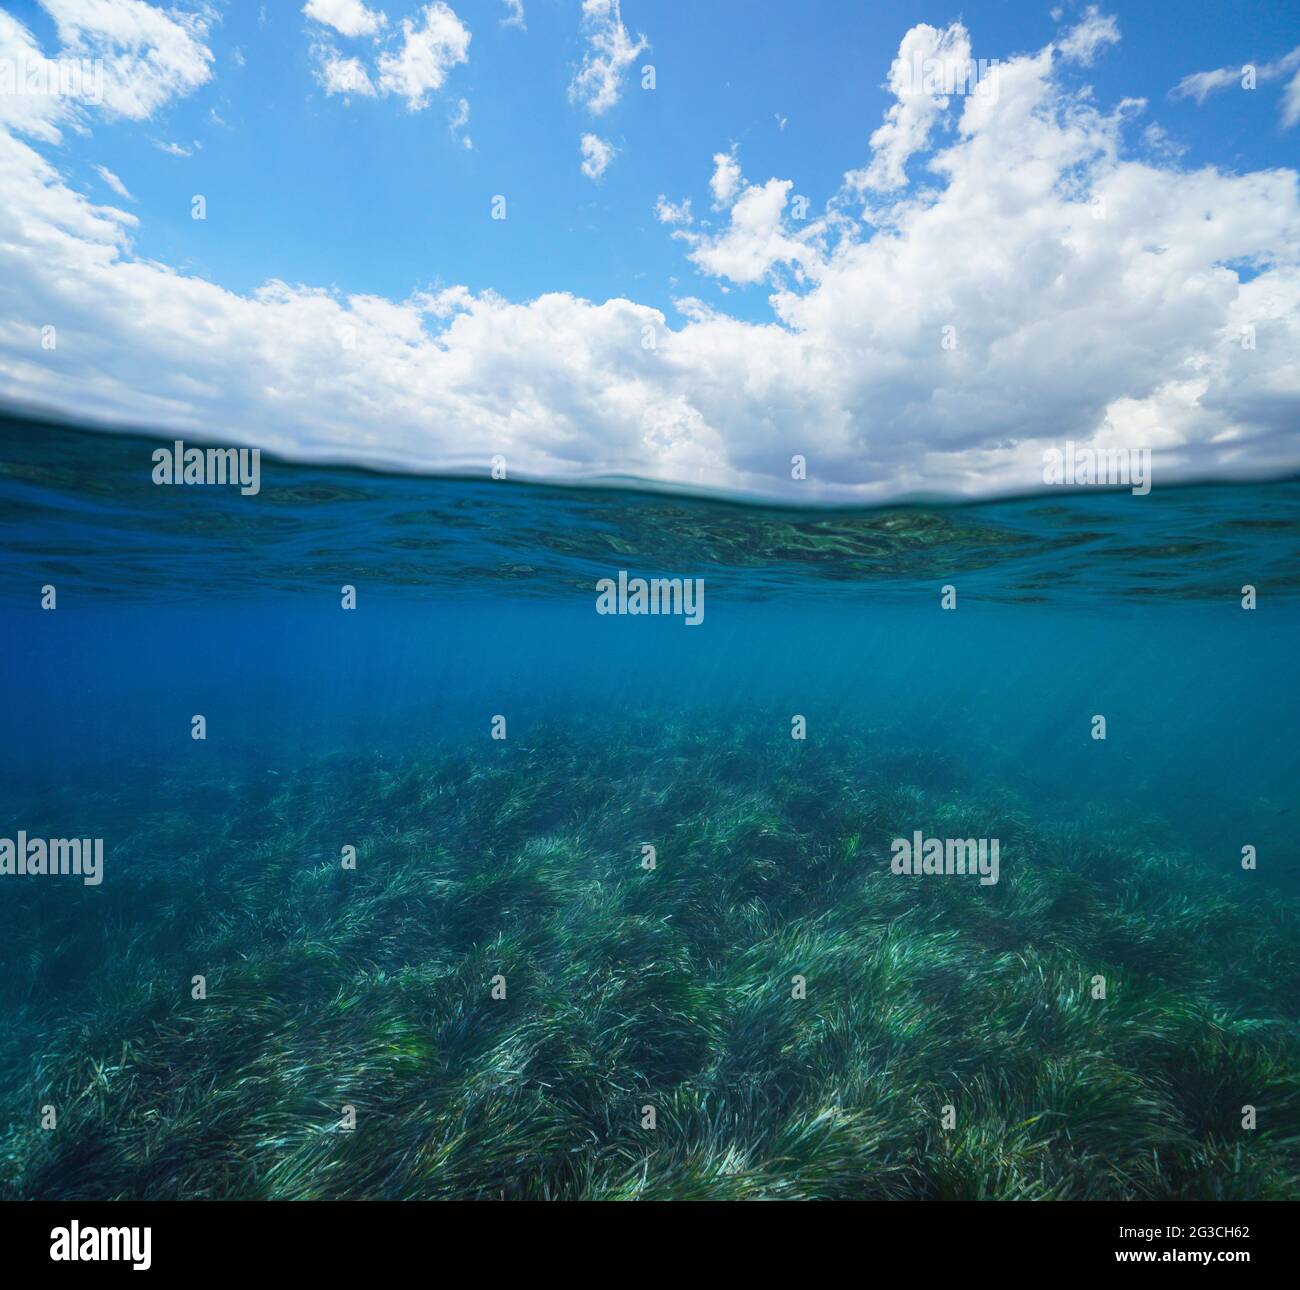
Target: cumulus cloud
{"type": "Point", "coordinates": [514, 14]}
{"type": "Point", "coordinates": [757, 237]}
{"type": "Point", "coordinates": [610, 52]}
{"type": "Point", "coordinates": [339, 75]}
{"type": "Point", "coordinates": [597, 153]}
{"type": "Point", "coordinates": [726, 179]}
{"type": "Point", "coordinates": [148, 56]}
{"type": "Point", "coordinates": [347, 17]}
{"type": "Point", "coordinates": [38, 114]}
{"type": "Point", "coordinates": [430, 49]}
{"type": "Point", "coordinates": [413, 65]}
{"type": "Point", "coordinates": [667, 212]}
{"type": "Point", "coordinates": [121, 58]}
{"type": "Point", "coordinates": [1082, 42]}
{"type": "Point", "coordinates": [929, 61]}
{"type": "Point", "coordinates": [1090, 293]}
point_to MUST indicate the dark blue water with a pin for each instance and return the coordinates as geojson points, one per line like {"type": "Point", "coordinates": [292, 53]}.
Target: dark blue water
{"type": "Point", "coordinates": [477, 599]}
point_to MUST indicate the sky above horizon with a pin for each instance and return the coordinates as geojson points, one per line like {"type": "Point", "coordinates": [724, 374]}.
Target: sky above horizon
{"type": "Point", "coordinates": [683, 242]}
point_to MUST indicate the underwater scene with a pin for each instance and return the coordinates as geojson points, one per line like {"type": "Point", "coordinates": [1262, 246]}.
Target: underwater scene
{"type": "Point", "coordinates": [397, 836]}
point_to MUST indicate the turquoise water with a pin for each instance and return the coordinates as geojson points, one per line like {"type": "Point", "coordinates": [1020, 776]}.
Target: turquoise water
{"type": "Point", "coordinates": [476, 600]}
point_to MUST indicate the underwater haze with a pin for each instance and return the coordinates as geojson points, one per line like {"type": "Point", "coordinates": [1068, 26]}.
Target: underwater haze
{"type": "Point", "coordinates": [463, 886]}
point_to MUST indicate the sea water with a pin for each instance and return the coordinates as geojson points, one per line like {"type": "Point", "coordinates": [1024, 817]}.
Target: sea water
{"type": "Point", "coordinates": [455, 830]}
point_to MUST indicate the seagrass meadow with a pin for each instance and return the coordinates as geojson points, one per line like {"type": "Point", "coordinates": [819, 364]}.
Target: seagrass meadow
{"type": "Point", "coordinates": [503, 997]}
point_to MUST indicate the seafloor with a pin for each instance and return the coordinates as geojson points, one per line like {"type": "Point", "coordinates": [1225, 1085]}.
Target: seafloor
{"type": "Point", "coordinates": [628, 988]}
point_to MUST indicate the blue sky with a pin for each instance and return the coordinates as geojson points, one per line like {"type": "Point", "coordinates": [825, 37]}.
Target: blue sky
{"type": "Point", "coordinates": [368, 196]}
{"type": "Point", "coordinates": [379, 195]}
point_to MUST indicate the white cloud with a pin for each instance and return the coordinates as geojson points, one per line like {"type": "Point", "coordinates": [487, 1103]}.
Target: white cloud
{"type": "Point", "coordinates": [339, 75]}
{"type": "Point", "coordinates": [514, 15]}
{"type": "Point", "coordinates": [430, 46]}
{"type": "Point", "coordinates": [929, 60]}
{"type": "Point", "coordinates": [459, 121]}
{"type": "Point", "coordinates": [430, 49]}
{"type": "Point", "coordinates": [113, 182]}
{"type": "Point", "coordinates": [611, 51]}
{"type": "Point", "coordinates": [726, 179]}
{"type": "Point", "coordinates": [667, 212]}
{"type": "Point", "coordinates": [1120, 330]}
{"type": "Point", "coordinates": [174, 149]}
{"type": "Point", "coordinates": [149, 57]}
{"type": "Point", "coordinates": [347, 17]}
{"type": "Point", "coordinates": [1291, 103]}
{"type": "Point", "coordinates": [37, 114]}
{"type": "Point", "coordinates": [597, 153]}
{"type": "Point", "coordinates": [756, 239]}
{"type": "Point", "coordinates": [1156, 137]}
{"type": "Point", "coordinates": [119, 57]}
{"type": "Point", "coordinates": [1083, 42]}
{"type": "Point", "coordinates": [1200, 85]}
